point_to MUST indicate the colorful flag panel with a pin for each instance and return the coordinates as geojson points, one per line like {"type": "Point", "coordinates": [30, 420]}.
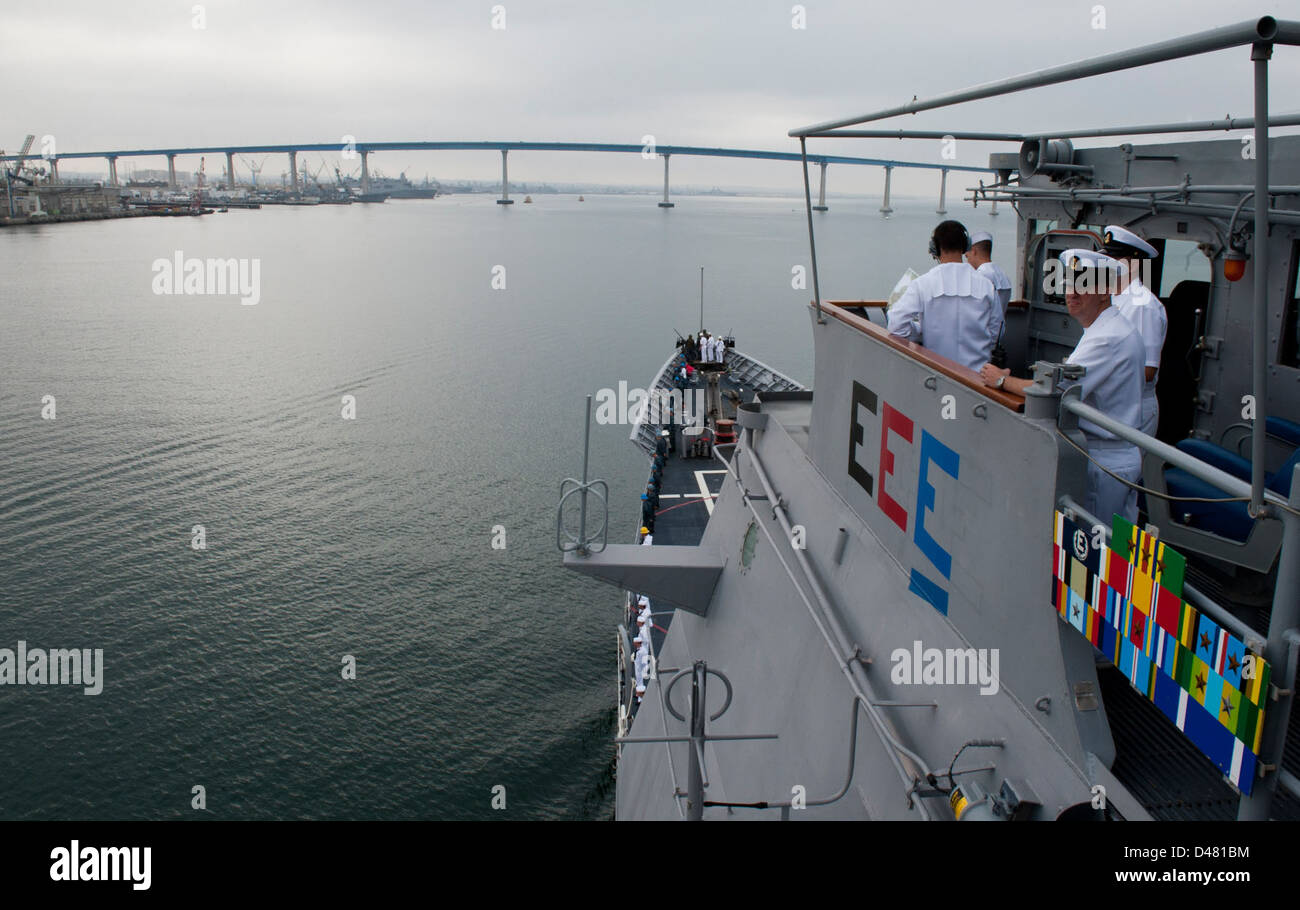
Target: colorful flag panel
{"type": "Point", "coordinates": [1127, 600]}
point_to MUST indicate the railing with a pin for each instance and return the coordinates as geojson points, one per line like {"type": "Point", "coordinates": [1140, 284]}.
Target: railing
{"type": "Point", "coordinates": [936, 362]}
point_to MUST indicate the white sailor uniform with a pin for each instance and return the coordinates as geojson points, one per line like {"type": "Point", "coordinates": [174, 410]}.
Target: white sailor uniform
{"type": "Point", "coordinates": [950, 310]}
{"type": "Point", "coordinates": [1002, 285]}
{"type": "Point", "coordinates": [1112, 353]}
{"type": "Point", "coordinates": [1146, 314]}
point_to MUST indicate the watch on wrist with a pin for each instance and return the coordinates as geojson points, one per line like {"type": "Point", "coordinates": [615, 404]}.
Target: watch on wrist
{"type": "Point", "coordinates": [1001, 381]}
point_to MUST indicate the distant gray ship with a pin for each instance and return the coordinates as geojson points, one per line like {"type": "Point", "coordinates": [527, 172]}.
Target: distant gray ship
{"type": "Point", "coordinates": [882, 599]}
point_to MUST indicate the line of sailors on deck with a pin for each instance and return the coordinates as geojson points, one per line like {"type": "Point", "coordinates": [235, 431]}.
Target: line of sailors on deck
{"type": "Point", "coordinates": [650, 498]}
{"type": "Point", "coordinates": [958, 309]}
{"type": "Point", "coordinates": [708, 348]}
{"type": "Point", "coordinates": [641, 645]}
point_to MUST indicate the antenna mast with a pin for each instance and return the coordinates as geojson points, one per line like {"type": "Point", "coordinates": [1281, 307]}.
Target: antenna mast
{"type": "Point", "coordinates": [701, 298]}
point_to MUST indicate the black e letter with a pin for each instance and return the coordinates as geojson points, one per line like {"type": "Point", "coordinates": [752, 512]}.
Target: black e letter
{"type": "Point", "coordinates": [864, 397]}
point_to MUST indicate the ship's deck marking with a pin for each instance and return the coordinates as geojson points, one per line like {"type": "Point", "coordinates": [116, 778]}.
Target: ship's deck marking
{"type": "Point", "coordinates": [704, 489]}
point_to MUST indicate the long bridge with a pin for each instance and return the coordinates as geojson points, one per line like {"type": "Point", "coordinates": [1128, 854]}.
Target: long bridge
{"type": "Point", "coordinates": [364, 150]}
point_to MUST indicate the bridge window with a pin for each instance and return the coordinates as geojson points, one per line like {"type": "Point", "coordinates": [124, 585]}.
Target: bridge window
{"type": "Point", "coordinates": [1289, 356]}
{"type": "Point", "coordinates": [1182, 260]}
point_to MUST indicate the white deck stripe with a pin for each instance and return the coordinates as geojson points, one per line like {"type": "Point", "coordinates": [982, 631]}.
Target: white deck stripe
{"type": "Point", "coordinates": [704, 491]}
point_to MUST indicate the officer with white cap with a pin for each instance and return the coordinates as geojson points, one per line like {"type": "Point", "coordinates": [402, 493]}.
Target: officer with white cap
{"type": "Point", "coordinates": [950, 309]}
{"type": "Point", "coordinates": [1143, 309]}
{"type": "Point", "coordinates": [980, 257]}
{"type": "Point", "coordinates": [1112, 354]}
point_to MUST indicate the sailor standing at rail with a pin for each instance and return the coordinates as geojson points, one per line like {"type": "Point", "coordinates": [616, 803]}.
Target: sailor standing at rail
{"type": "Point", "coordinates": [1141, 308]}
{"type": "Point", "coordinates": [980, 257]}
{"type": "Point", "coordinates": [1112, 354]}
{"type": "Point", "coordinates": [950, 309]}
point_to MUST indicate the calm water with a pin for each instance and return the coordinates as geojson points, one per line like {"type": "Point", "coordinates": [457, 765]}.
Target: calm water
{"type": "Point", "coordinates": [370, 537]}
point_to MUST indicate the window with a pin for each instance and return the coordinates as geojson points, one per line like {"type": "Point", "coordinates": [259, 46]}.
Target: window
{"type": "Point", "coordinates": [1182, 260]}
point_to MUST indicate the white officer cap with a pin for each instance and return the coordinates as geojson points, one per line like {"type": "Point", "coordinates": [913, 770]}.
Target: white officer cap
{"type": "Point", "coordinates": [981, 237]}
{"type": "Point", "coordinates": [640, 690]}
{"type": "Point", "coordinates": [663, 432]}
{"type": "Point", "coordinates": [1076, 261]}
{"type": "Point", "coordinates": [643, 601]}
{"type": "Point", "coordinates": [1091, 272]}
{"type": "Point", "coordinates": [1121, 241]}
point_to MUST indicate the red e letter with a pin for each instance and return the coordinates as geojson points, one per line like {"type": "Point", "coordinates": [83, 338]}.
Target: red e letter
{"type": "Point", "coordinates": [902, 425]}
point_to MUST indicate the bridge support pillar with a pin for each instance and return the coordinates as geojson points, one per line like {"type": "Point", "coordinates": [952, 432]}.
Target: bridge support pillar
{"type": "Point", "coordinates": [889, 173]}
{"type": "Point", "coordinates": [665, 204]}
{"type": "Point", "coordinates": [943, 194]}
{"type": "Point", "coordinates": [505, 181]}
{"type": "Point", "coordinates": [365, 172]}
{"type": "Point", "coordinates": [171, 171]}
{"type": "Point", "coordinates": [230, 170]}
{"type": "Point", "coordinates": [112, 170]}
{"type": "Point", "coordinates": [293, 170]}
{"type": "Point", "coordinates": [821, 192]}
{"type": "Point", "coordinates": [54, 170]}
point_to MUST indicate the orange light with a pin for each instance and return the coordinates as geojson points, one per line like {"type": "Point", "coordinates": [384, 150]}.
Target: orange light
{"type": "Point", "coordinates": [1234, 266]}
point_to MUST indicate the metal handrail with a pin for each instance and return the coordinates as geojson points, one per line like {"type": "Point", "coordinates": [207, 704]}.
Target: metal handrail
{"type": "Point", "coordinates": [1192, 126]}
{"type": "Point", "coordinates": [1231, 485]}
{"type": "Point", "coordinates": [1264, 29]}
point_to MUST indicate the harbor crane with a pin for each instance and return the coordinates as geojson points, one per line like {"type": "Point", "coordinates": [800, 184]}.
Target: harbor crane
{"type": "Point", "coordinates": [16, 172]}
{"type": "Point", "coordinates": [256, 169]}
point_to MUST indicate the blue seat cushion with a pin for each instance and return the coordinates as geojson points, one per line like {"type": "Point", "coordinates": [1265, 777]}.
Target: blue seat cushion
{"type": "Point", "coordinates": [1227, 519]}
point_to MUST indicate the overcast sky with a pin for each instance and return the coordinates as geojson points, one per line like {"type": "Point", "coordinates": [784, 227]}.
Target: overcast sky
{"type": "Point", "coordinates": [97, 75]}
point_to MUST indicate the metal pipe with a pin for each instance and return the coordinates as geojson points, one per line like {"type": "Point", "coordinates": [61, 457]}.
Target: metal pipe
{"type": "Point", "coordinates": [1194, 595]}
{"type": "Point", "coordinates": [812, 242]}
{"type": "Point", "coordinates": [695, 783]}
{"type": "Point", "coordinates": [1278, 216]}
{"type": "Point", "coordinates": [586, 455]}
{"type": "Point", "coordinates": [1264, 29]}
{"type": "Point", "coordinates": [1288, 780]}
{"type": "Point", "coordinates": [1260, 52]}
{"type": "Point", "coordinates": [1167, 453]}
{"type": "Point", "coordinates": [1283, 647]}
{"type": "Point", "coordinates": [1196, 126]}
{"type": "Point", "coordinates": [943, 194]}
{"type": "Point", "coordinates": [1247, 189]}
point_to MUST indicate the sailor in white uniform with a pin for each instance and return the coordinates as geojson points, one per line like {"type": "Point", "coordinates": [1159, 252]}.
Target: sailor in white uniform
{"type": "Point", "coordinates": [641, 665]}
{"type": "Point", "coordinates": [1112, 354]}
{"type": "Point", "coordinates": [950, 309]}
{"type": "Point", "coordinates": [1141, 308]}
{"type": "Point", "coordinates": [980, 257]}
